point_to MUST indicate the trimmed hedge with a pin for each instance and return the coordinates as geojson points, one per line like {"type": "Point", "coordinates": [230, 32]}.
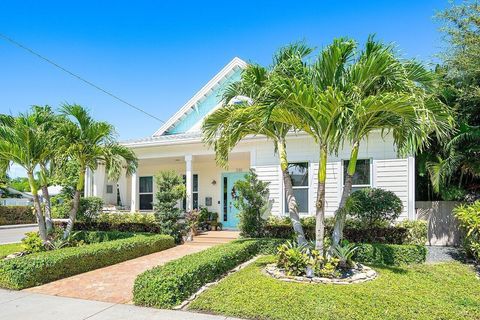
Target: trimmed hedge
{"type": "Point", "coordinates": [107, 226]}
{"type": "Point", "coordinates": [90, 237]}
{"type": "Point", "coordinates": [39, 268]}
{"type": "Point", "coordinates": [390, 254]}
{"type": "Point", "coordinates": [16, 215]}
{"type": "Point", "coordinates": [390, 235]}
{"type": "Point", "coordinates": [168, 285]}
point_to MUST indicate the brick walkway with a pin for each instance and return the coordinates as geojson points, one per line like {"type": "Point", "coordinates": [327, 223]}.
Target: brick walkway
{"type": "Point", "coordinates": [115, 283]}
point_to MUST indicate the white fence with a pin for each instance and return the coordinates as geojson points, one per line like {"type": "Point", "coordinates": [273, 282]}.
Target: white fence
{"type": "Point", "coordinates": [15, 202]}
{"type": "Point", "coordinates": [443, 229]}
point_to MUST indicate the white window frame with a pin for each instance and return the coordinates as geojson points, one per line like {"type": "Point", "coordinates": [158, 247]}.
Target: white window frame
{"type": "Point", "coordinates": [285, 204]}
{"type": "Point", "coordinates": [141, 193]}
{"type": "Point", "coordinates": [358, 185]}
{"type": "Point", "coordinates": [184, 177]}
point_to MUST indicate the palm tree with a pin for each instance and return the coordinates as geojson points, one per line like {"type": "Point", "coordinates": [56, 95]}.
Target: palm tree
{"type": "Point", "coordinates": [459, 157]}
{"type": "Point", "coordinates": [314, 102]}
{"type": "Point", "coordinates": [90, 143]}
{"type": "Point", "coordinates": [22, 143]}
{"type": "Point", "coordinates": [245, 113]}
{"type": "Point", "coordinates": [344, 96]}
{"type": "Point", "coordinates": [389, 95]}
{"type": "Point", "coordinates": [47, 122]}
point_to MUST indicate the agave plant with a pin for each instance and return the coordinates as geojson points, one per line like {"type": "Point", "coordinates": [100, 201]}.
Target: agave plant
{"type": "Point", "coordinates": [344, 252]}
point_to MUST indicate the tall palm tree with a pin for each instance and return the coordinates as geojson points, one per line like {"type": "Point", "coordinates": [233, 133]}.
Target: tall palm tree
{"type": "Point", "coordinates": [22, 143]}
{"type": "Point", "coordinates": [314, 102]}
{"type": "Point", "coordinates": [90, 143]}
{"type": "Point", "coordinates": [346, 95]}
{"type": "Point", "coordinates": [245, 113]}
{"type": "Point", "coordinates": [47, 122]}
{"type": "Point", "coordinates": [388, 95]}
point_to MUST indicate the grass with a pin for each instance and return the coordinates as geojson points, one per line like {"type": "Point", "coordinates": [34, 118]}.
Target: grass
{"type": "Point", "coordinates": [427, 291]}
{"type": "Point", "coordinates": [6, 249]}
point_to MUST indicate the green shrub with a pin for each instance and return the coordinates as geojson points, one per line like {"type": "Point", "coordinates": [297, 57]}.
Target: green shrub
{"type": "Point", "coordinates": [90, 208]}
{"type": "Point", "coordinates": [61, 205]}
{"type": "Point", "coordinates": [43, 267]}
{"type": "Point", "coordinates": [119, 221]}
{"type": "Point", "coordinates": [89, 237]}
{"type": "Point", "coordinates": [468, 217]}
{"type": "Point", "coordinates": [354, 231]}
{"type": "Point", "coordinates": [374, 206]}
{"type": "Point", "coordinates": [417, 231]}
{"type": "Point", "coordinates": [121, 217]}
{"type": "Point", "coordinates": [390, 254]}
{"type": "Point", "coordinates": [171, 189]}
{"type": "Point", "coordinates": [251, 200]}
{"type": "Point", "coordinates": [16, 215]}
{"type": "Point", "coordinates": [168, 285]}
{"type": "Point", "coordinates": [32, 242]}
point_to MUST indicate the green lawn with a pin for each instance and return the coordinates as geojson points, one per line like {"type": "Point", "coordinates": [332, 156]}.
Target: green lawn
{"type": "Point", "coordinates": [6, 249]}
{"type": "Point", "coordinates": [428, 291]}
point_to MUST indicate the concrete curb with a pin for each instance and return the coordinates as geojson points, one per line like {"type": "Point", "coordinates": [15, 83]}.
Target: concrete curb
{"type": "Point", "coordinates": [18, 226]}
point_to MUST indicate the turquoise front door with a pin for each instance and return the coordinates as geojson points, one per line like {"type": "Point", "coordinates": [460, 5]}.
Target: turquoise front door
{"type": "Point", "coordinates": [229, 214]}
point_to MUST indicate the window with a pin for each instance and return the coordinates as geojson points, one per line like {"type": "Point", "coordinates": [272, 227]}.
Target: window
{"type": "Point", "coordinates": [299, 175]}
{"type": "Point", "coordinates": [362, 177]}
{"type": "Point", "coordinates": [146, 193]}
{"type": "Point", "coordinates": [109, 188]}
{"type": "Point", "coordinates": [194, 192]}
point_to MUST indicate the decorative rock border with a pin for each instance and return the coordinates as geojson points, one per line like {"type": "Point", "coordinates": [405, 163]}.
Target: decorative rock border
{"type": "Point", "coordinates": [359, 275]}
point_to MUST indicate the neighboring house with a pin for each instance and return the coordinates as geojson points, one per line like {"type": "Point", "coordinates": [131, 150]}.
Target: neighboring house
{"type": "Point", "coordinates": [178, 145]}
{"type": "Point", "coordinates": [13, 197]}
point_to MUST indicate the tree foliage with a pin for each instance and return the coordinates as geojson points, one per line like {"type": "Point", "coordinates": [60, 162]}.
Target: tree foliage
{"type": "Point", "coordinates": [251, 198]}
{"type": "Point", "coordinates": [450, 168]}
{"type": "Point", "coordinates": [170, 190]}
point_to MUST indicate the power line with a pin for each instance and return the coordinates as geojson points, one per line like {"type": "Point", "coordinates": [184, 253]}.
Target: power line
{"type": "Point", "coordinates": [8, 39]}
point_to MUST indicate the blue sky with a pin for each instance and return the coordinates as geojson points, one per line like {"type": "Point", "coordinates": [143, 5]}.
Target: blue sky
{"type": "Point", "coordinates": [157, 55]}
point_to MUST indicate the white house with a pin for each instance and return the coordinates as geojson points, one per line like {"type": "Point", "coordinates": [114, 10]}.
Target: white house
{"type": "Point", "coordinates": [178, 145]}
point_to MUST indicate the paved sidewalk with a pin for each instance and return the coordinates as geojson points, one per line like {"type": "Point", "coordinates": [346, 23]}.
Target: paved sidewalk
{"type": "Point", "coordinates": [31, 306]}
{"type": "Point", "coordinates": [114, 283]}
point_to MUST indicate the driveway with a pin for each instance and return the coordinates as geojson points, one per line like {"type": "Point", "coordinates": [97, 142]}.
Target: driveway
{"type": "Point", "coordinates": [12, 234]}
{"type": "Point", "coordinates": [30, 306]}
{"type": "Point", "coordinates": [114, 283]}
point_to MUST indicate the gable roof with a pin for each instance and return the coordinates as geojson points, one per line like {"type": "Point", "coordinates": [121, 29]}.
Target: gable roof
{"type": "Point", "coordinates": [174, 125]}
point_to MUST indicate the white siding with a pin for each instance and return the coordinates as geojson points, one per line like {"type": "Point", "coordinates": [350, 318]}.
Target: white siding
{"type": "Point", "coordinates": [332, 187]}
{"type": "Point", "coordinates": [272, 175]}
{"type": "Point", "coordinates": [392, 175]}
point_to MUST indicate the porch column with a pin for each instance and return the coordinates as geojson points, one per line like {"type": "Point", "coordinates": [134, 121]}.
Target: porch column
{"type": "Point", "coordinates": [411, 188]}
{"type": "Point", "coordinates": [134, 193]}
{"type": "Point", "coordinates": [87, 192]}
{"type": "Point", "coordinates": [99, 181]}
{"type": "Point", "coordinates": [189, 181]}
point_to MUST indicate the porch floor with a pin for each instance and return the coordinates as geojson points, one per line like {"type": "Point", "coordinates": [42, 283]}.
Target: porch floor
{"type": "Point", "coordinates": [115, 283]}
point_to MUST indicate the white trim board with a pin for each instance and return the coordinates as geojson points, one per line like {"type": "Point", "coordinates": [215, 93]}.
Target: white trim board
{"type": "Point", "coordinates": [231, 66]}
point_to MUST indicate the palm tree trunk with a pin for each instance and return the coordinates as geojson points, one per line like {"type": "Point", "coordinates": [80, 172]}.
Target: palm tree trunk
{"type": "Point", "coordinates": [341, 214]}
{"type": "Point", "coordinates": [76, 204]}
{"type": "Point", "coordinates": [320, 203]}
{"type": "Point", "coordinates": [291, 199]}
{"type": "Point", "coordinates": [48, 209]}
{"type": "Point", "coordinates": [38, 208]}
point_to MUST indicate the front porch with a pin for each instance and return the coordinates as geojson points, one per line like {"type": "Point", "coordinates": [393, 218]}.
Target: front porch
{"type": "Point", "coordinates": [207, 185]}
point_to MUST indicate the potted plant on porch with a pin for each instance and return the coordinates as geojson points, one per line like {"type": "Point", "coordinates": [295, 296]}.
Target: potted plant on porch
{"type": "Point", "coordinates": [192, 219]}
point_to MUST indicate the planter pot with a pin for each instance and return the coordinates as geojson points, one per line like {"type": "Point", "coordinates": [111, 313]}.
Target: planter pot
{"type": "Point", "coordinates": [194, 231]}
